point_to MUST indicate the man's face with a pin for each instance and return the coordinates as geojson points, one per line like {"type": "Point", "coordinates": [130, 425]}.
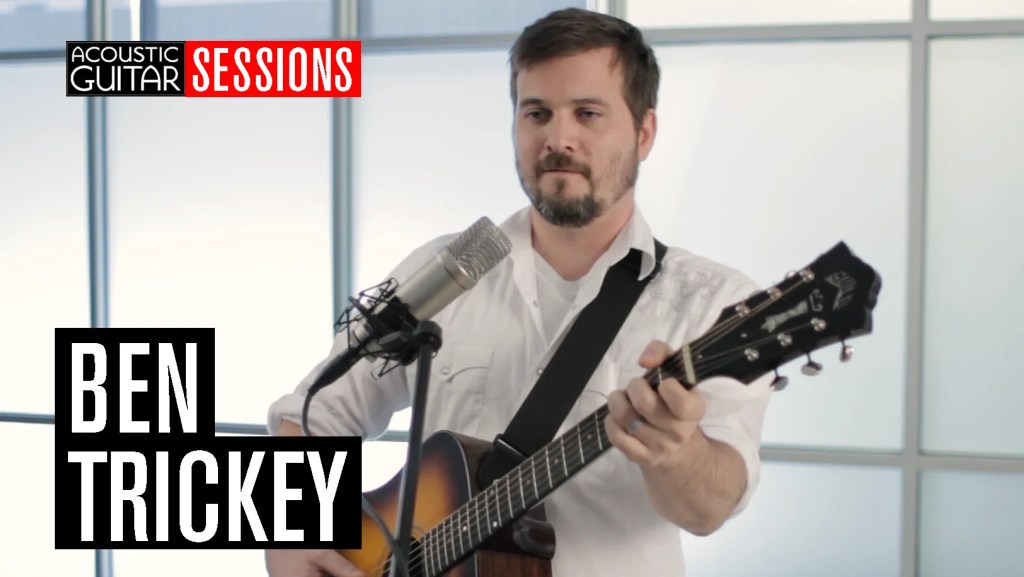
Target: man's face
{"type": "Point", "coordinates": [577, 149]}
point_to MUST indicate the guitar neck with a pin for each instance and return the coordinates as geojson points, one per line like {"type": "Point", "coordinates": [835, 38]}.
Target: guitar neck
{"type": "Point", "coordinates": [524, 487]}
{"type": "Point", "coordinates": [514, 494]}
{"type": "Point", "coordinates": [829, 301]}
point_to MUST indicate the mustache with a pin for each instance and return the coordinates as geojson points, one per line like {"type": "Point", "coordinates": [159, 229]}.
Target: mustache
{"type": "Point", "coordinates": [559, 161]}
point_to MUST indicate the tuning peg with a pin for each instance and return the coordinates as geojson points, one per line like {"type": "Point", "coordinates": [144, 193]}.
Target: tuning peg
{"type": "Point", "coordinates": [780, 381]}
{"type": "Point", "coordinates": [811, 368]}
{"type": "Point", "coordinates": [847, 353]}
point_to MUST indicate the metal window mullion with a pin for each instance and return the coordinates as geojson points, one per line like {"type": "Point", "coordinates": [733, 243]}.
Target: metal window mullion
{"type": "Point", "coordinates": [917, 182]}
{"type": "Point", "coordinates": [344, 26]}
{"type": "Point", "coordinates": [97, 29]}
{"type": "Point", "coordinates": [673, 35]}
{"type": "Point", "coordinates": [721, 34]}
{"type": "Point", "coordinates": [54, 54]}
{"type": "Point", "coordinates": [148, 20]}
{"type": "Point", "coordinates": [617, 8]}
{"type": "Point", "coordinates": [975, 28]}
{"type": "Point", "coordinates": [96, 170]}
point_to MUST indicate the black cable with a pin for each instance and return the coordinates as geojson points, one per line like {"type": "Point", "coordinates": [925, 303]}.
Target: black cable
{"type": "Point", "coordinates": [402, 561]}
{"type": "Point", "coordinates": [367, 507]}
{"type": "Point", "coordinates": [321, 382]}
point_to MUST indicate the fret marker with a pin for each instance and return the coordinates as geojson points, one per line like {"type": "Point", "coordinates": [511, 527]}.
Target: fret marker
{"type": "Point", "coordinates": [494, 524]}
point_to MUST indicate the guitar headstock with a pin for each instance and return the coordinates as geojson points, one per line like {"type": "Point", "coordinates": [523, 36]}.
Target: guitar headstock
{"type": "Point", "coordinates": [829, 301]}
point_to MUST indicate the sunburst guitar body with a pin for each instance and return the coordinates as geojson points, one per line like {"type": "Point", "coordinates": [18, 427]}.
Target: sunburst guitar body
{"type": "Point", "coordinates": [446, 483]}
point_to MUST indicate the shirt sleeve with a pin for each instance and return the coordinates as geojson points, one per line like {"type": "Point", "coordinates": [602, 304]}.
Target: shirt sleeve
{"type": "Point", "coordinates": [736, 410]}
{"type": "Point", "coordinates": [735, 417]}
{"type": "Point", "coordinates": [356, 404]}
{"type": "Point", "coordinates": [361, 402]}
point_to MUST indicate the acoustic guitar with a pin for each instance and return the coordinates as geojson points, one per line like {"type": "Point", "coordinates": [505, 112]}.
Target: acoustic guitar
{"type": "Point", "coordinates": [463, 531]}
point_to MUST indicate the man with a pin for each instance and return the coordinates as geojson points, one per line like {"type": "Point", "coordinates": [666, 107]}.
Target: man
{"type": "Point", "coordinates": [584, 89]}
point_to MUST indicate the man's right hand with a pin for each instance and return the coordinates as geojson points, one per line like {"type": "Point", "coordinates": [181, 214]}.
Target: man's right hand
{"type": "Point", "coordinates": [309, 563]}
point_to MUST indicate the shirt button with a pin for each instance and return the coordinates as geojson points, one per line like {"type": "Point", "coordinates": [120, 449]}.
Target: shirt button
{"type": "Point", "coordinates": [540, 370]}
{"type": "Point", "coordinates": [445, 370]}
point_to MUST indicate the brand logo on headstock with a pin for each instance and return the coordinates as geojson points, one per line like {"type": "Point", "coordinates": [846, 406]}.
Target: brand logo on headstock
{"type": "Point", "coordinates": [771, 323]}
{"type": "Point", "coordinates": [845, 285]}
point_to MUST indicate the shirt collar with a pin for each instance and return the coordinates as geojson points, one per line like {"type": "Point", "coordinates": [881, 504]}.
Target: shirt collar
{"type": "Point", "coordinates": [635, 235]}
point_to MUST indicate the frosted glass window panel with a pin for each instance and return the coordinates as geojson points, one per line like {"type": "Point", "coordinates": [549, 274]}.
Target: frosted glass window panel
{"type": "Point", "coordinates": [389, 18]}
{"type": "Point", "coordinates": [40, 24]}
{"type": "Point", "coordinates": [766, 156]}
{"type": "Point", "coordinates": [430, 162]}
{"type": "Point", "coordinates": [808, 520]}
{"type": "Point", "coordinates": [971, 524]}
{"type": "Point", "coordinates": [973, 270]}
{"type": "Point", "coordinates": [193, 562]}
{"type": "Point", "coordinates": [401, 420]}
{"type": "Point", "coordinates": [382, 460]}
{"type": "Point", "coordinates": [228, 19]}
{"type": "Point", "coordinates": [243, 19]}
{"type": "Point", "coordinates": [26, 499]}
{"type": "Point", "coordinates": [44, 255]}
{"type": "Point", "coordinates": [975, 9]}
{"type": "Point", "coordinates": [696, 13]}
{"type": "Point", "coordinates": [220, 217]}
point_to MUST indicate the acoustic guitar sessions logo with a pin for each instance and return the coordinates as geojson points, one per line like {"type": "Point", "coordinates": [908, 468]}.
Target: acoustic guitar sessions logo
{"type": "Point", "coordinates": [138, 464]}
{"type": "Point", "coordinates": [215, 68]}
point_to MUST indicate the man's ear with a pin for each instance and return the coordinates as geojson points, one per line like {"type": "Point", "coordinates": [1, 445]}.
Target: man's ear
{"type": "Point", "coordinates": [648, 130]}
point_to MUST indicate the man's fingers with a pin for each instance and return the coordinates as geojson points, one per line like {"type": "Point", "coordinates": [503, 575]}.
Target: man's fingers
{"type": "Point", "coordinates": [646, 401]}
{"type": "Point", "coordinates": [630, 445]}
{"type": "Point", "coordinates": [655, 354]}
{"type": "Point", "coordinates": [620, 409]}
{"type": "Point", "coordinates": [336, 565]}
{"type": "Point", "coordinates": [683, 404]}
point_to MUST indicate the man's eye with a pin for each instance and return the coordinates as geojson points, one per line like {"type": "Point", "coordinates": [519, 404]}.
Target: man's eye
{"type": "Point", "coordinates": [536, 114]}
{"type": "Point", "coordinates": [587, 113]}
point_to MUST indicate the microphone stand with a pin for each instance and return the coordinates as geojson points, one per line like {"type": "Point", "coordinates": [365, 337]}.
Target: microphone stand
{"type": "Point", "coordinates": [426, 340]}
{"type": "Point", "coordinates": [401, 346]}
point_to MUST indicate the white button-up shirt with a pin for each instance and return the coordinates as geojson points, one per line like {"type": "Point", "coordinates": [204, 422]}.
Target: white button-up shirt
{"type": "Point", "coordinates": [495, 348]}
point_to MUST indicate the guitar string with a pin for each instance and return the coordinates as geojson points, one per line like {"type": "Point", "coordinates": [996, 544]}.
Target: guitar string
{"type": "Point", "coordinates": [504, 486]}
{"type": "Point", "coordinates": [417, 561]}
{"type": "Point", "coordinates": [708, 363]}
{"type": "Point", "coordinates": [448, 532]}
{"type": "Point", "coordinates": [725, 357]}
{"type": "Point", "coordinates": [445, 533]}
{"type": "Point", "coordinates": [716, 333]}
{"type": "Point", "coordinates": [720, 330]}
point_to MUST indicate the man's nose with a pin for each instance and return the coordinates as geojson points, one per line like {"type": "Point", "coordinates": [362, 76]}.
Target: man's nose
{"type": "Point", "coordinates": [562, 134]}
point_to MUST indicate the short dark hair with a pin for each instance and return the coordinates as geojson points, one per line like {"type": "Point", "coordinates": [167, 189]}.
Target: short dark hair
{"type": "Point", "coordinates": [572, 31]}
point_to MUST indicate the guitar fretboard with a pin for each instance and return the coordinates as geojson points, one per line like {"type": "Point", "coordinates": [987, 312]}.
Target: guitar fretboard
{"type": "Point", "coordinates": [521, 489]}
{"type": "Point", "coordinates": [510, 496]}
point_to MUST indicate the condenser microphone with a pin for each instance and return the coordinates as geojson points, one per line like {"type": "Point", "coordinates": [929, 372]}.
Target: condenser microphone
{"type": "Point", "coordinates": [455, 269]}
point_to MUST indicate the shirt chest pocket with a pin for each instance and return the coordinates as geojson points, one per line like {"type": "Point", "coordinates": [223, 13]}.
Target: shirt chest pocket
{"type": "Point", "coordinates": [458, 382]}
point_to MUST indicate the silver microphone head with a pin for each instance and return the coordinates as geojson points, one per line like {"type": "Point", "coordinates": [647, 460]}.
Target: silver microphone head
{"type": "Point", "coordinates": [452, 271]}
{"type": "Point", "coordinates": [479, 248]}
{"type": "Point", "coordinates": [455, 269]}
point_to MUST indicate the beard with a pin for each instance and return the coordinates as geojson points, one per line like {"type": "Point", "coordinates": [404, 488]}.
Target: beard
{"type": "Point", "coordinates": [558, 207]}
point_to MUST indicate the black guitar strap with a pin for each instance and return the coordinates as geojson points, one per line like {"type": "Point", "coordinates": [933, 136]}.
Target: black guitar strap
{"type": "Point", "coordinates": [571, 367]}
